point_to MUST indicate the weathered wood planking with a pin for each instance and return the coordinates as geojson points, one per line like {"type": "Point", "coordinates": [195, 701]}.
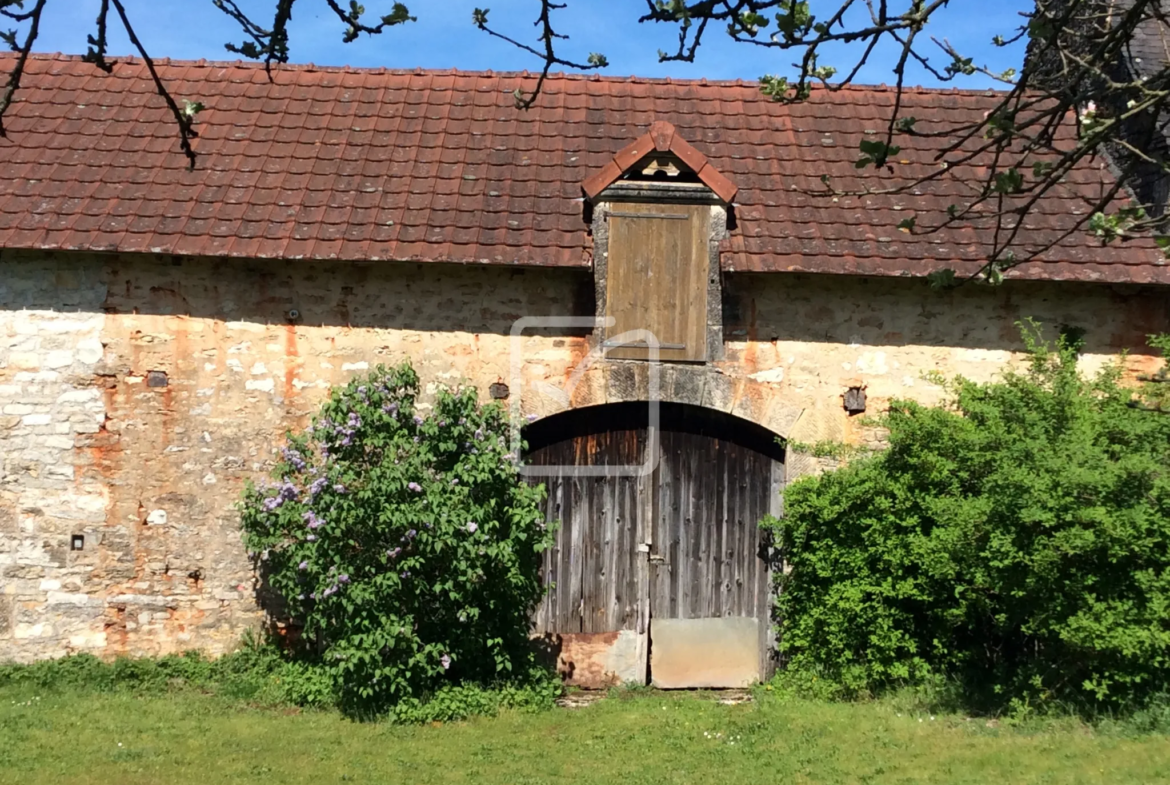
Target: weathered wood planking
{"type": "Point", "coordinates": [707, 559]}
{"type": "Point", "coordinates": [682, 543]}
{"type": "Point", "coordinates": [656, 277]}
{"type": "Point", "coordinates": [592, 566]}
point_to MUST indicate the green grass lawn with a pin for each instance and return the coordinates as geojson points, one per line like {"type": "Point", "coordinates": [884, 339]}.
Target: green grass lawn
{"type": "Point", "coordinates": [634, 738]}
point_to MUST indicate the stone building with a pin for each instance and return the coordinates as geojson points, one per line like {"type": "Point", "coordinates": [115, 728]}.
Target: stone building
{"type": "Point", "coordinates": [161, 329]}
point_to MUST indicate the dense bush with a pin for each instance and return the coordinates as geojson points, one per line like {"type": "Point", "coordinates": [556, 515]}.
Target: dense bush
{"type": "Point", "coordinates": [1016, 542]}
{"type": "Point", "coordinates": [406, 545]}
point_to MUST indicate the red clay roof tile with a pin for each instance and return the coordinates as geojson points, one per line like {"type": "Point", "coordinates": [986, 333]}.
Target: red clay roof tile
{"type": "Point", "coordinates": [426, 166]}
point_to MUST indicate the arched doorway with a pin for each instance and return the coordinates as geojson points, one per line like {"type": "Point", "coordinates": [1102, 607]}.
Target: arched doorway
{"type": "Point", "coordinates": [660, 573]}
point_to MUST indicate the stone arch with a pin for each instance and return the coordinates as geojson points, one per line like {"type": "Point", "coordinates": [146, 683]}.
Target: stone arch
{"type": "Point", "coordinates": [622, 381]}
{"type": "Point", "coordinates": [625, 381]}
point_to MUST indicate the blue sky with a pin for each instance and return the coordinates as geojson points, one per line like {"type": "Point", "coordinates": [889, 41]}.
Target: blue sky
{"type": "Point", "coordinates": [444, 37]}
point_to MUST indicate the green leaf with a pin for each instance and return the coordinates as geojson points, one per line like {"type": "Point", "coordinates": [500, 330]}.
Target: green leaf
{"type": "Point", "coordinates": [942, 279]}
{"type": "Point", "coordinates": [877, 152]}
{"type": "Point", "coordinates": [192, 108]}
{"type": "Point", "coordinates": [1009, 181]}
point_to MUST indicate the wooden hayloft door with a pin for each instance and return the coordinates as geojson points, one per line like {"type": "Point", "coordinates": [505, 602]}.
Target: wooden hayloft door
{"type": "Point", "coordinates": [663, 578]}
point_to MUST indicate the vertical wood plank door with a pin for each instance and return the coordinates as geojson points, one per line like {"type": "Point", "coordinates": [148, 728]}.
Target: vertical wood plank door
{"type": "Point", "coordinates": [710, 590]}
{"type": "Point", "coordinates": [594, 617]}
{"type": "Point", "coordinates": [663, 578]}
{"type": "Point", "coordinates": [656, 278]}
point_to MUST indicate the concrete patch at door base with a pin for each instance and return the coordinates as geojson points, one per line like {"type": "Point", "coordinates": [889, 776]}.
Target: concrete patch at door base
{"type": "Point", "coordinates": [597, 660]}
{"type": "Point", "coordinates": [704, 653]}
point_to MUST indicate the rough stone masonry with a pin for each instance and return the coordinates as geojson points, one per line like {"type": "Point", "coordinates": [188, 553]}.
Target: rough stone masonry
{"type": "Point", "coordinates": [139, 393]}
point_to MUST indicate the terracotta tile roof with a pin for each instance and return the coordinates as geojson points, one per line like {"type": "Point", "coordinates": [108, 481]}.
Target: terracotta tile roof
{"type": "Point", "coordinates": [661, 138]}
{"type": "Point", "coordinates": [440, 166]}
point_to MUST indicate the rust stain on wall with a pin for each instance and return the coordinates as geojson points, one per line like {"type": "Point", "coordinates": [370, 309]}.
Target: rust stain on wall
{"type": "Point", "coordinates": [156, 472]}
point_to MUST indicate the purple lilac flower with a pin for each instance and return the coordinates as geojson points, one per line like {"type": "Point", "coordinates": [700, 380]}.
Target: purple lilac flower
{"type": "Point", "coordinates": [287, 492]}
{"type": "Point", "coordinates": [329, 592]}
{"type": "Point", "coordinates": [416, 440]}
{"type": "Point", "coordinates": [442, 423]}
{"type": "Point", "coordinates": [414, 486]}
{"type": "Point", "coordinates": [362, 389]}
{"type": "Point", "coordinates": [314, 522]}
{"type": "Point", "coordinates": [410, 535]}
{"type": "Point", "coordinates": [472, 526]}
{"type": "Point", "coordinates": [294, 458]}
{"type": "Point", "coordinates": [318, 485]}
{"type": "Point", "coordinates": [391, 409]}
{"type": "Point", "coordinates": [313, 596]}
{"type": "Point", "coordinates": [463, 421]}
{"type": "Point", "coordinates": [404, 574]}
{"type": "Point", "coordinates": [343, 578]}
{"type": "Point", "coordinates": [446, 661]}
{"type": "Point", "coordinates": [354, 420]}
{"type": "Point", "coordinates": [312, 538]}
{"type": "Point", "coordinates": [303, 565]}
{"type": "Point", "coordinates": [393, 552]}
{"type": "Point", "coordinates": [455, 481]}
{"type": "Point", "coordinates": [418, 420]}
{"type": "Point", "coordinates": [338, 488]}
{"type": "Point", "coordinates": [479, 433]}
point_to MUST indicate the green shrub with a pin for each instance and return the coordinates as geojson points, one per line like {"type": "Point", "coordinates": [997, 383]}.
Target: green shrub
{"type": "Point", "coordinates": [1017, 542]}
{"type": "Point", "coordinates": [406, 545]}
{"type": "Point", "coordinates": [263, 674]}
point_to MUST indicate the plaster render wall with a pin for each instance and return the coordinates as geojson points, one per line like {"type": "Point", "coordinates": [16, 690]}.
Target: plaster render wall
{"type": "Point", "coordinates": [150, 475]}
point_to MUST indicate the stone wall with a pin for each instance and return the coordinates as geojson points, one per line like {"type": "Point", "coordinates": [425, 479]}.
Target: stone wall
{"type": "Point", "coordinates": [812, 337]}
{"type": "Point", "coordinates": [137, 394]}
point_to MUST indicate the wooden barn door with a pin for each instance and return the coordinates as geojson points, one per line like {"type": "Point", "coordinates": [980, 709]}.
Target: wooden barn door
{"type": "Point", "coordinates": [710, 583]}
{"type": "Point", "coordinates": [595, 616]}
{"type": "Point", "coordinates": [662, 578]}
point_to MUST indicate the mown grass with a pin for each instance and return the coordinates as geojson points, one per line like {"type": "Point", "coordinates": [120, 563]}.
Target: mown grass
{"type": "Point", "coordinates": [644, 737]}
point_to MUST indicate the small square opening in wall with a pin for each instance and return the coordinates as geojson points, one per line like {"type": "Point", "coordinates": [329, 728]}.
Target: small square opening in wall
{"type": "Point", "coordinates": [855, 400]}
{"type": "Point", "coordinates": [156, 379]}
{"type": "Point", "coordinates": [77, 543]}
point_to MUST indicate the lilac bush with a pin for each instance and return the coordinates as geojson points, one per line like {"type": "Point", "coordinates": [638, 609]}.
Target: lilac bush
{"type": "Point", "coordinates": [404, 542]}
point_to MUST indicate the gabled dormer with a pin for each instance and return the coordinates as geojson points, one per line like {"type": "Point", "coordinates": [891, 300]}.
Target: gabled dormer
{"type": "Point", "coordinates": [659, 213]}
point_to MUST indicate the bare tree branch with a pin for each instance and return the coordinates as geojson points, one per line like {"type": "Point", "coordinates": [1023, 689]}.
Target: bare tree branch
{"type": "Point", "coordinates": [34, 18]}
{"type": "Point", "coordinates": [183, 119]}
{"type": "Point", "coordinates": [547, 53]}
